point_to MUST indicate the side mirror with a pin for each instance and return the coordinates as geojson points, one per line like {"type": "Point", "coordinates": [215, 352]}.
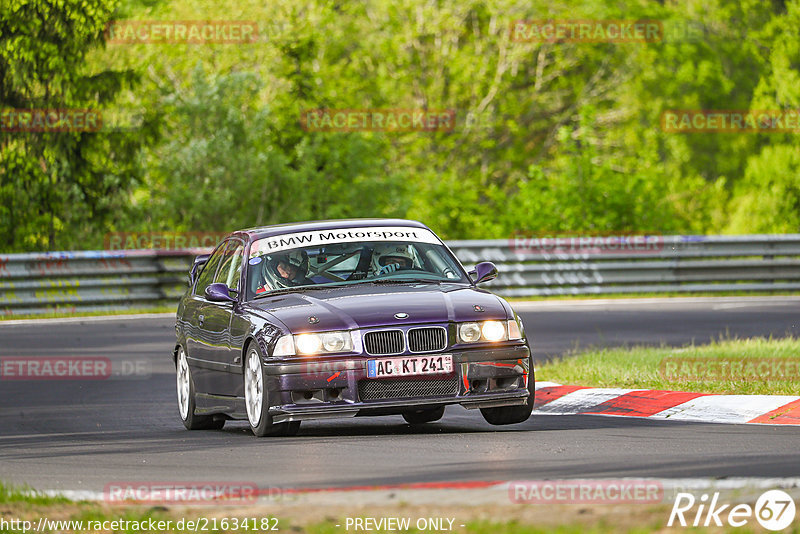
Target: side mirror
{"type": "Point", "coordinates": [199, 261]}
{"type": "Point", "coordinates": [485, 271]}
{"type": "Point", "coordinates": [219, 293]}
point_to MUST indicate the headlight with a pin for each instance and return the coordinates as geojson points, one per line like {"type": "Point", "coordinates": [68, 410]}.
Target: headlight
{"type": "Point", "coordinates": [494, 331]}
{"type": "Point", "coordinates": [491, 331]}
{"type": "Point", "coordinates": [324, 342]}
{"type": "Point", "coordinates": [335, 341]}
{"type": "Point", "coordinates": [308, 343]}
{"type": "Point", "coordinates": [469, 332]}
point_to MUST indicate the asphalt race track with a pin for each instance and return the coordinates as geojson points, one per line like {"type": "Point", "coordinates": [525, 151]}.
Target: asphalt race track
{"type": "Point", "coordinates": [82, 435]}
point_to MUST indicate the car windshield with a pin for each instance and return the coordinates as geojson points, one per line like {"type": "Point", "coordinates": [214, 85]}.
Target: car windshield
{"type": "Point", "coordinates": [349, 256]}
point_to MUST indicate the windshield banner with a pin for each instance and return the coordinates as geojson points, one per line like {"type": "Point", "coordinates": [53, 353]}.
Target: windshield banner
{"type": "Point", "coordinates": [342, 235]}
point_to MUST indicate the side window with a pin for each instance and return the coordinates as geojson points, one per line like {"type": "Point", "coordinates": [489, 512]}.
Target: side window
{"type": "Point", "coordinates": [230, 270]}
{"type": "Point", "coordinates": [204, 280]}
{"type": "Point", "coordinates": [236, 268]}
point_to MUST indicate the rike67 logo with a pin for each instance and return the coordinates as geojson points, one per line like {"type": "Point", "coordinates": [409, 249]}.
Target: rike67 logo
{"type": "Point", "coordinates": [774, 510]}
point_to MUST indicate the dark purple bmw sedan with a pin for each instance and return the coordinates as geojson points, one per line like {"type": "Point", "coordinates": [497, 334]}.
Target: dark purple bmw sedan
{"type": "Point", "coordinates": [345, 318]}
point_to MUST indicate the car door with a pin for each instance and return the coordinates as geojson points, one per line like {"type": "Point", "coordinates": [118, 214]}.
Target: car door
{"type": "Point", "coordinates": [197, 339]}
{"type": "Point", "coordinates": [223, 352]}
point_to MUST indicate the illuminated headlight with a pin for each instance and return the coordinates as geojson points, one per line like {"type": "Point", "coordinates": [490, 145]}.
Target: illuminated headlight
{"type": "Point", "coordinates": [308, 343]}
{"type": "Point", "coordinates": [494, 331]}
{"type": "Point", "coordinates": [324, 342]}
{"type": "Point", "coordinates": [487, 331]}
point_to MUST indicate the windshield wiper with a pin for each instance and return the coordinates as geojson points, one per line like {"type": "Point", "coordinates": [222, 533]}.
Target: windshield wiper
{"type": "Point", "coordinates": [405, 281]}
{"type": "Point", "coordinates": [298, 289]}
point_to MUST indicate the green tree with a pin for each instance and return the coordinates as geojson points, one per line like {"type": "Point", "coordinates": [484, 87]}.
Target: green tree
{"type": "Point", "coordinates": [768, 198]}
{"type": "Point", "coordinates": [549, 136]}
{"type": "Point", "coordinates": [57, 188]}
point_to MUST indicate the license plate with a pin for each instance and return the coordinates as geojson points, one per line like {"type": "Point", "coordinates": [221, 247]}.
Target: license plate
{"type": "Point", "coordinates": [415, 365]}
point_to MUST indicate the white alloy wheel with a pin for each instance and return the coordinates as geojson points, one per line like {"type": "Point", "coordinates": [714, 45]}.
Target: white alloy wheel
{"type": "Point", "coordinates": [253, 387]}
{"type": "Point", "coordinates": [183, 383]}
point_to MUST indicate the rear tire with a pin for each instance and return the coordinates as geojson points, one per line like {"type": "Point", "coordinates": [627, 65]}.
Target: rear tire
{"type": "Point", "coordinates": [511, 415]}
{"type": "Point", "coordinates": [421, 417]}
{"type": "Point", "coordinates": [186, 403]}
{"type": "Point", "coordinates": [256, 399]}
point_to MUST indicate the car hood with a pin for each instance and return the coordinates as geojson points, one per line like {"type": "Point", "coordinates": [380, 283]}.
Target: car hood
{"type": "Point", "coordinates": [372, 305]}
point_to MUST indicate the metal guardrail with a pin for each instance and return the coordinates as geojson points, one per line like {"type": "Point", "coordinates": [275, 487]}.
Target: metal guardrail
{"type": "Point", "coordinates": [91, 281]}
{"type": "Point", "coordinates": [644, 264]}
{"type": "Point", "coordinates": [119, 280]}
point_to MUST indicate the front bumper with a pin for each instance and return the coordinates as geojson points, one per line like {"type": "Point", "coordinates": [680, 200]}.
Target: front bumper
{"type": "Point", "coordinates": [339, 387]}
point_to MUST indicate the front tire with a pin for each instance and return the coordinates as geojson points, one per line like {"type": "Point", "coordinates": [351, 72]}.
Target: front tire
{"type": "Point", "coordinates": [420, 417]}
{"type": "Point", "coordinates": [256, 399]}
{"type": "Point", "coordinates": [511, 415]}
{"type": "Point", "coordinates": [186, 403]}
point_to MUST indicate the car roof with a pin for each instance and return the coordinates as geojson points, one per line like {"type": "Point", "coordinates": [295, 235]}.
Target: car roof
{"type": "Point", "coordinates": [310, 226]}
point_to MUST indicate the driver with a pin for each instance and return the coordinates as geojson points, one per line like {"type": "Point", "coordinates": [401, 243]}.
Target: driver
{"type": "Point", "coordinates": [389, 258]}
{"type": "Point", "coordinates": [287, 269]}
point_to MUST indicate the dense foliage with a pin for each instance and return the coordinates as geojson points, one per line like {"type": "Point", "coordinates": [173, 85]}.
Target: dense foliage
{"type": "Point", "coordinates": [548, 137]}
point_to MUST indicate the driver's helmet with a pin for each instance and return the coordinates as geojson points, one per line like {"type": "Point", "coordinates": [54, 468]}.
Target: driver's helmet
{"type": "Point", "coordinates": [294, 260]}
{"type": "Point", "coordinates": [384, 255]}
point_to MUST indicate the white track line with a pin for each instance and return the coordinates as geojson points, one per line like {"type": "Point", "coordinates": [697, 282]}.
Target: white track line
{"type": "Point", "coordinates": [88, 319]}
{"type": "Point", "coordinates": [496, 493]}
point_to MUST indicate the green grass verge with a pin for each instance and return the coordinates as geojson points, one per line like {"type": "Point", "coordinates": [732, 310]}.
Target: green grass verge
{"type": "Point", "coordinates": [733, 366]}
{"type": "Point", "coordinates": [23, 495]}
{"type": "Point", "coordinates": [23, 505]}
